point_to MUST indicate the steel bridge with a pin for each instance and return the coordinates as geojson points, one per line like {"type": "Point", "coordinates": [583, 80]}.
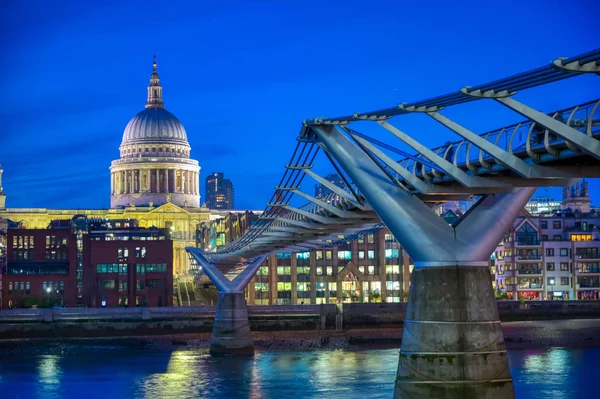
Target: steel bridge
{"type": "Point", "coordinates": [451, 309]}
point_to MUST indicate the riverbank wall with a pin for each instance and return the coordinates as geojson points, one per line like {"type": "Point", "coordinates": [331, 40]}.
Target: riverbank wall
{"type": "Point", "coordinates": [103, 322]}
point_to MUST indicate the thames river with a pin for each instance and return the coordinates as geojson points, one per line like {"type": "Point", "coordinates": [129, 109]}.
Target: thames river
{"type": "Point", "coordinates": [116, 372]}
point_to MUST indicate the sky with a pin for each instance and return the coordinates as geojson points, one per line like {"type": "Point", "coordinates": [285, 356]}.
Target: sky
{"type": "Point", "coordinates": [243, 75]}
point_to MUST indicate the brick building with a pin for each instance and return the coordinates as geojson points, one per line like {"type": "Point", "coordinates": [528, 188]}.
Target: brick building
{"type": "Point", "coordinates": [88, 263]}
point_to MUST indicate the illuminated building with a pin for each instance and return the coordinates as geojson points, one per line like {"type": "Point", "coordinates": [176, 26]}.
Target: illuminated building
{"type": "Point", "coordinates": [322, 192]}
{"type": "Point", "coordinates": [542, 205]}
{"type": "Point", "coordinates": [219, 192]}
{"type": "Point", "coordinates": [154, 181]}
{"type": "Point", "coordinates": [155, 166]}
{"type": "Point", "coordinates": [552, 256]}
{"type": "Point", "coordinates": [371, 268]}
{"type": "Point", "coordinates": [88, 263]}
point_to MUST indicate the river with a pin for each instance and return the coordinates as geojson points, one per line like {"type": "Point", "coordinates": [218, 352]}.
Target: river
{"type": "Point", "coordinates": [76, 371]}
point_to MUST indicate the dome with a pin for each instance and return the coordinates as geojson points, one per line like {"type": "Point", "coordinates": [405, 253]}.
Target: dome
{"type": "Point", "coordinates": [154, 125]}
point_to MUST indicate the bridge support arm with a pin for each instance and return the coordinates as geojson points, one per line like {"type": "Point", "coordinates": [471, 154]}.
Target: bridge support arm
{"type": "Point", "coordinates": [452, 342]}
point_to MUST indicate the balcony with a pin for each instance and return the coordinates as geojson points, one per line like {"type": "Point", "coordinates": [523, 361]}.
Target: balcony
{"type": "Point", "coordinates": [530, 271]}
{"type": "Point", "coordinates": [528, 242]}
{"type": "Point", "coordinates": [531, 286]}
{"type": "Point", "coordinates": [529, 257]}
{"type": "Point", "coordinates": [588, 256]}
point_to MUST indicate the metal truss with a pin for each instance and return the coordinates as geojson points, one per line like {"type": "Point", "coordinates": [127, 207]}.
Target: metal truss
{"type": "Point", "coordinates": [558, 149]}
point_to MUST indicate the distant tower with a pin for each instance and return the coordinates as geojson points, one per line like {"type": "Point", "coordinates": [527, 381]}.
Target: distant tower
{"type": "Point", "coordinates": [321, 191]}
{"type": "Point", "coordinates": [2, 195]}
{"type": "Point", "coordinates": [219, 192]}
{"type": "Point", "coordinates": [577, 197]}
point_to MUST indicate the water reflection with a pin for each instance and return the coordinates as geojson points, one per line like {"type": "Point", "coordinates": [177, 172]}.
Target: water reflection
{"type": "Point", "coordinates": [49, 374]}
{"type": "Point", "coordinates": [192, 373]}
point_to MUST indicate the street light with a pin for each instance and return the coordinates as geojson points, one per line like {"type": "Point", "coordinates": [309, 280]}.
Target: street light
{"type": "Point", "coordinates": [551, 283]}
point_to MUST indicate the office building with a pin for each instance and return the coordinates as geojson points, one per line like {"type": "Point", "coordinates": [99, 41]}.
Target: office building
{"type": "Point", "coordinates": [88, 263]}
{"type": "Point", "coordinates": [219, 192]}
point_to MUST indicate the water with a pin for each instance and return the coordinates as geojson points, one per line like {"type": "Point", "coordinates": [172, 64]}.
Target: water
{"type": "Point", "coordinates": [101, 372]}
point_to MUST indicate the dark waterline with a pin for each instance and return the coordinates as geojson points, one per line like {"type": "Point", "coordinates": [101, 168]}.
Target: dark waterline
{"type": "Point", "coordinates": [115, 372]}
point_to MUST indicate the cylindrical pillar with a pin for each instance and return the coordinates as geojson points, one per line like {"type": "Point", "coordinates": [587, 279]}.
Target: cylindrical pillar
{"type": "Point", "coordinates": [157, 180]}
{"type": "Point", "coordinates": [166, 180]}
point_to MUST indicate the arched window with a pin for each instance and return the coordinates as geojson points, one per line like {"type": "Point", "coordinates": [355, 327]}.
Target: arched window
{"type": "Point", "coordinates": [527, 235]}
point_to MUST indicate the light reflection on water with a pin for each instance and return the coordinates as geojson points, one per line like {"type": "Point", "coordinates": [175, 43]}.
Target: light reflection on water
{"type": "Point", "coordinates": [193, 373]}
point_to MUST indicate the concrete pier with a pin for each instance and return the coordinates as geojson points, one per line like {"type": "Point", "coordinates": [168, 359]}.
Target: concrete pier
{"type": "Point", "coordinates": [231, 330]}
{"type": "Point", "coordinates": [452, 343]}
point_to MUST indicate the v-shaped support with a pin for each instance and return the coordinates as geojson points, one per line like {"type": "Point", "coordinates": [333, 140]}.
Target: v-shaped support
{"type": "Point", "coordinates": [223, 284]}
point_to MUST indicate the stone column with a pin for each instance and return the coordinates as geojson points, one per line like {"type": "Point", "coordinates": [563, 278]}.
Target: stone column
{"type": "Point", "coordinates": [231, 329]}
{"type": "Point", "coordinates": [196, 177]}
{"type": "Point", "coordinates": [112, 183]}
{"type": "Point", "coordinates": [166, 180]}
{"type": "Point", "coordinates": [157, 181]}
{"type": "Point", "coordinates": [183, 181]}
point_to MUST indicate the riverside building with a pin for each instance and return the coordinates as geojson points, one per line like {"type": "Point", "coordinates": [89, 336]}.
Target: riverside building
{"type": "Point", "coordinates": [88, 263]}
{"type": "Point", "coordinates": [552, 256]}
{"type": "Point", "coordinates": [371, 268]}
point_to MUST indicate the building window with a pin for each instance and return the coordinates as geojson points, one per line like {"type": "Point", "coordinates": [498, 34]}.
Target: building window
{"type": "Point", "coordinates": [550, 252]}
{"type": "Point", "coordinates": [361, 239]}
{"type": "Point", "coordinates": [319, 254]}
{"type": "Point", "coordinates": [550, 266]}
{"type": "Point", "coordinates": [329, 255]}
{"type": "Point", "coordinates": [370, 254]}
{"type": "Point", "coordinates": [544, 237]}
{"type": "Point", "coordinates": [10, 286]}
{"type": "Point", "coordinates": [361, 254]}
{"type": "Point", "coordinates": [371, 238]}
{"type": "Point", "coordinates": [344, 255]}
{"type": "Point", "coordinates": [27, 287]}
{"type": "Point", "coordinates": [581, 237]}
{"type": "Point", "coordinates": [284, 270]}
{"type": "Point", "coordinates": [303, 255]}
{"type": "Point", "coordinates": [140, 252]}
{"type": "Point", "coordinates": [140, 269]}
{"type": "Point", "coordinates": [140, 285]}
{"type": "Point", "coordinates": [564, 267]}
{"type": "Point", "coordinates": [391, 253]}
{"type": "Point", "coordinates": [107, 284]}
{"type": "Point", "coordinates": [556, 224]}
{"type": "Point", "coordinates": [319, 271]}
{"type": "Point", "coordinates": [392, 269]}
{"type": "Point", "coordinates": [371, 270]}
{"type": "Point", "coordinates": [527, 235]}
{"type": "Point", "coordinates": [389, 237]}
{"type": "Point", "coordinates": [564, 252]}
{"type": "Point", "coordinates": [284, 255]}
{"type": "Point", "coordinates": [544, 224]}
{"type": "Point", "coordinates": [564, 281]}
{"type": "Point", "coordinates": [588, 267]}
{"type": "Point", "coordinates": [122, 285]}
{"type": "Point", "coordinates": [557, 237]}
{"type": "Point", "coordinates": [330, 270]}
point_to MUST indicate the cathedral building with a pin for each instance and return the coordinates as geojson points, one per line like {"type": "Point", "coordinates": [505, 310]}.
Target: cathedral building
{"type": "Point", "coordinates": [154, 181]}
{"type": "Point", "coordinates": [155, 165]}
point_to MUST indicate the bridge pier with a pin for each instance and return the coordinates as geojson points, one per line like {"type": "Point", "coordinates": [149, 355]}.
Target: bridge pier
{"type": "Point", "coordinates": [452, 342]}
{"type": "Point", "coordinates": [231, 329]}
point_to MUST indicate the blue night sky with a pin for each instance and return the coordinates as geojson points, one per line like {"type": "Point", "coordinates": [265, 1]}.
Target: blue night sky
{"type": "Point", "coordinates": [242, 75]}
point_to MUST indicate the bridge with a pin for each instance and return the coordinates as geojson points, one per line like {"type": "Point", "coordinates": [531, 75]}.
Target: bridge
{"type": "Point", "coordinates": [452, 342]}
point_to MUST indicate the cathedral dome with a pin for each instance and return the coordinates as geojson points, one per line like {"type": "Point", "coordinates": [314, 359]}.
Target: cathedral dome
{"type": "Point", "coordinates": [154, 125]}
